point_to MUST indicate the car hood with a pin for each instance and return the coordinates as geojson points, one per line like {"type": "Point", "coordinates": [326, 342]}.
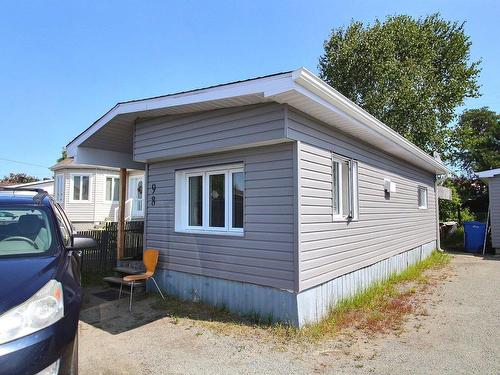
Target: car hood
{"type": "Point", "coordinates": [20, 278]}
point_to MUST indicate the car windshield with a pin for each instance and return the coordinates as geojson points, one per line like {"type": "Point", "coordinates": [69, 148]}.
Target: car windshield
{"type": "Point", "coordinates": [25, 231]}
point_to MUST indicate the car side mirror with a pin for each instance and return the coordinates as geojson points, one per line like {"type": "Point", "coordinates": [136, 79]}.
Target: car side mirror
{"type": "Point", "coordinates": [82, 242]}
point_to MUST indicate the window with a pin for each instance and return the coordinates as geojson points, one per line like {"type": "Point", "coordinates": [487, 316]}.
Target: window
{"type": "Point", "coordinates": [345, 188]}
{"type": "Point", "coordinates": [80, 187]}
{"type": "Point", "coordinates": [422, 197]}
{"type": "Point", "coordinates": [59, 188]}
{"type": "Point", "coordinates": [210, 199]}
{"type": "Point", "coordinates": [26, 231]}
{"type": "Point", "coordinates": [112, 188]}
{"type": "Point", "coordinates": [63, 228]}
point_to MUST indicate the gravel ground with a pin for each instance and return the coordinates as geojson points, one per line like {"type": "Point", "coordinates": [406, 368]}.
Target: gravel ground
{"type": "Point", "coordinates": [459, 334]}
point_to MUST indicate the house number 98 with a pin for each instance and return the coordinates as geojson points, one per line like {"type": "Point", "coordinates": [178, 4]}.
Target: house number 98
{"type": "Point", "coordinates": [153, 198]}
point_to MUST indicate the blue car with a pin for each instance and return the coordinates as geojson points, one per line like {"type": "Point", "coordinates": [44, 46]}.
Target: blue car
{"type": "Point", "coordinates": [40, 291]}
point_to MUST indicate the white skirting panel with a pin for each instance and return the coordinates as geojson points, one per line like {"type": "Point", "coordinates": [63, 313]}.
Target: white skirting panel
{"type": "Point", "coordinates": [283, 305]}
{"type": "Point", "coordinates": [315, 303]}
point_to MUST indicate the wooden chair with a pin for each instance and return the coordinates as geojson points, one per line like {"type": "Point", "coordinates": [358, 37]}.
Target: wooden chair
{"type": "Point", "coordinates": [150, 260]}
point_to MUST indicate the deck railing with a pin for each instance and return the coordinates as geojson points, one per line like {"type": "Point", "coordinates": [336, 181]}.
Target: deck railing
{"type": "Point", "coordinates": [128, 210]}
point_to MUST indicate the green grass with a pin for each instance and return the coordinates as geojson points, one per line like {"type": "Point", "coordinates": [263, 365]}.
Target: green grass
{"type": "Point", "coordinates": [380, 307]}
{"type": "Point", "coordinates": [454, 241]}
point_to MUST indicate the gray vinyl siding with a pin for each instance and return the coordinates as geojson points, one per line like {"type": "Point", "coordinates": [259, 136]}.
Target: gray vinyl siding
{"type": "Point", "coordinates": [265, 254]}
{"type": "Point", "coordinates": [330, 249]}
{"type": "Point", "coordinates": [494, 188]}
{"type": "Point", "coordinates": [185, 135]}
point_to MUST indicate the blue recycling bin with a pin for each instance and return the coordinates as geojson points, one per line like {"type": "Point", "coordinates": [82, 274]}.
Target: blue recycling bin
{"type": "Point", "coordinates": [474, 232]}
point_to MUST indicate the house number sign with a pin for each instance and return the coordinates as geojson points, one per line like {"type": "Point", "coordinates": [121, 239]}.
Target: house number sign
{"type": "Point", "coordinates": [153, 198]}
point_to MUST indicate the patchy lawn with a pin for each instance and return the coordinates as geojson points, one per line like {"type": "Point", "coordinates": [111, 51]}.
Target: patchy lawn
{"type": "Point", "coordinates": [380, 308]}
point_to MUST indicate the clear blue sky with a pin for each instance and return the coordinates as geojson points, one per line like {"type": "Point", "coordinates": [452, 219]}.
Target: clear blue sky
{"type": "Point", "coordinates": [63, 64]}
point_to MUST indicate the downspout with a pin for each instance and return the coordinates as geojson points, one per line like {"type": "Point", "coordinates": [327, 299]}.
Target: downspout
{"type": "Point", "coordinates": [145, 204]}
{"type": "Point", "coordinates": [438, 181]}
{"type": "Point", "coordinates": [94, 195]}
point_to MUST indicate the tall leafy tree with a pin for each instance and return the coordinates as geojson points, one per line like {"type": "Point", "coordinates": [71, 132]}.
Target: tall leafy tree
{"type": "Point", "coordinates": [409, 73]}
{"type": "Point", "coordinates": [476, 140]}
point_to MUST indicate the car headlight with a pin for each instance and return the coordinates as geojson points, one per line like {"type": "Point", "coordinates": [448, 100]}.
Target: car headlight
{"type": "Point", "coordinates": [41, 310]}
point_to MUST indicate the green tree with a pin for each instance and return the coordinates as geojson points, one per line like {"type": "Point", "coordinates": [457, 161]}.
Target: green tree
{"type": "Point", "coordinates": [409, 73]}
{"type": "Point", "coordinates": [476, 141]}
{"type": "Point", "coordinates": [18, 178]}
{"type": "Point", "coordinates": [64, 155]}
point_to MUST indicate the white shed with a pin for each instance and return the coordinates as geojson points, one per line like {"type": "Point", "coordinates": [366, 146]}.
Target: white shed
{"type": "Point", "coordinates": [492, 178]}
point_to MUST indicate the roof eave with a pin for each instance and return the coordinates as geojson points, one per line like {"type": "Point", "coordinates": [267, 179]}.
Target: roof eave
{"type": "Point", "coordinates": [309, 81]}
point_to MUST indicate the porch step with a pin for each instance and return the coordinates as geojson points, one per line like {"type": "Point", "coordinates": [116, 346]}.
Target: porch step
{"type": "Point", "coordinates": [127, 270]}
{"type": "Point", "coordinates": [117, 281]}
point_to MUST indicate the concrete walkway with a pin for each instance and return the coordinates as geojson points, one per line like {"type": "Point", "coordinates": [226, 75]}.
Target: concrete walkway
{"type": "Point", "coordinates": [459, 334]}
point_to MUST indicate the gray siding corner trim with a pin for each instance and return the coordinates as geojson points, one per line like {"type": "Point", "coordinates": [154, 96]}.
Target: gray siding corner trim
{"type": "Point", "coordinates": [296, 213]}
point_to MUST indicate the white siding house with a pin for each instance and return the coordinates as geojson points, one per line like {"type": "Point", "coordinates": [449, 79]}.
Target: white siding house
{"type": "Point", "coordinates": [89, 194]}
{"type": "Point", "coordinates": [275, 195]}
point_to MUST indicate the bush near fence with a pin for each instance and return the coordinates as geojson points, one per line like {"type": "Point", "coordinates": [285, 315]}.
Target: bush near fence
{"type": "Point", "coordinates": [102, 258]}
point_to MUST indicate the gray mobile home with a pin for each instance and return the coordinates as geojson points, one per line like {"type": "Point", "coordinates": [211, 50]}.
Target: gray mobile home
{"type": "Point", "coordinates": [492, 178]}
{"type": "Point", "coordinates": [275, 195]}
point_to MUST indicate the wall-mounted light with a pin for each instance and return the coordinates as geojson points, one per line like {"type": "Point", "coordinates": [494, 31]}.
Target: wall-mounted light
{"type": "Point", "coordinates": [389, 186]}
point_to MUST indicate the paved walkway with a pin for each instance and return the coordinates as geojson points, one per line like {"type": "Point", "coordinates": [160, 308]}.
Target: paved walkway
{"type": "Point", "coordinates": [460, 334]}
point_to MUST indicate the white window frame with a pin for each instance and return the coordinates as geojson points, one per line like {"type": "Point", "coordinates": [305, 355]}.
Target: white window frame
{"type": "Point", "coordinates": [131, 194]}
{"type": "Point", "coordinates": [59, 187]}
{"type": "Point", "coordinates": [425, 204]}
{"type": "Point", "coordinates": [71, 187]}
{"type": "Point", "coordinates": [182, 199]}
{"type": "Point", "coordinates": [353, 198]}
{"type": "Point", "coordinates": [113, 182]}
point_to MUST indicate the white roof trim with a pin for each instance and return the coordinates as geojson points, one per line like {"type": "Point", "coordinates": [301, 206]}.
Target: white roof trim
{"type": "Point", "coordinates": [490, 173]}
{"type": "Point", "coordinates": [317, 86]}
{"type": "Point", "coordinates": [27, 184]}
{"type": "Point", "coordinates": [300, 82]}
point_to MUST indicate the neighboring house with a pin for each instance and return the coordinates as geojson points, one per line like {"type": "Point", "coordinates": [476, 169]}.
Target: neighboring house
{"type": "Point", "coordinates": [492, 178]}
{"type": "Point", "coordinates": [47, 185]}
{"type": "Point", "coordinates": [275, 195]}
{"type": "Point", "coordinates": [89, 194]}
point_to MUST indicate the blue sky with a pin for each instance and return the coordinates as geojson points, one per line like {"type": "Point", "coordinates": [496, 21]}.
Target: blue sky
{"type": "Point", "coordinates": [63, 64]}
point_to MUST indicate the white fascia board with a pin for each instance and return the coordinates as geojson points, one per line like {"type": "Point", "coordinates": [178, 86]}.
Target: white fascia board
{"type": "Point", "coordinates": [315, 85]}
{"type": "Point", "coordinates": [488, 174]}
{"type": "Point", "coordinates": [27, 184]}
{"type": "Point", "coordinates": [105, 158]}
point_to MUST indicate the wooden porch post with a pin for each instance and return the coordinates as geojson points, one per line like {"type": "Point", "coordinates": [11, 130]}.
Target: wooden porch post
{"type": "Point", "coordinates": [120, 248]}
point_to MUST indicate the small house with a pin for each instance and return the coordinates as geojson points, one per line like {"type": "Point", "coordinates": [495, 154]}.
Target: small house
{"type": "Point", "coordinates": [275, 195]}
{"type": "Point", "coordinates": [89, 194]}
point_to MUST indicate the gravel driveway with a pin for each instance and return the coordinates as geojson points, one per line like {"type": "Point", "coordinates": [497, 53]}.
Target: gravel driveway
{"type": "Point", "coordinates": [460, 334]}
